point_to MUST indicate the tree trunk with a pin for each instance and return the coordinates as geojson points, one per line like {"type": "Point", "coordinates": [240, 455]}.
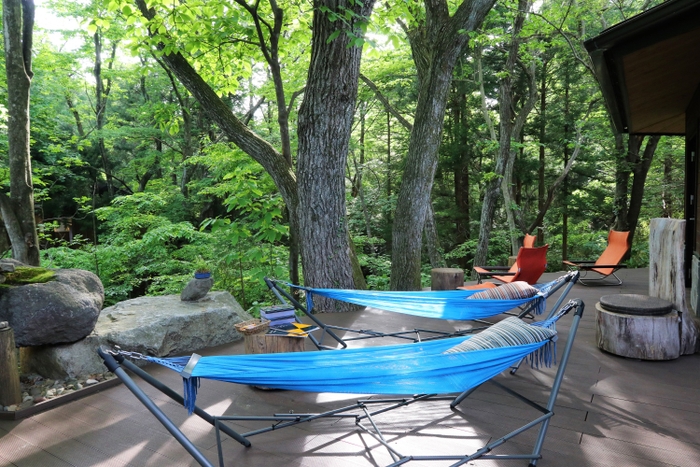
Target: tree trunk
{"type": "Point", "coordinates": [508, 123]}
{"type": "Point", "coordinates": [543, 134]}
{"type": "Point", "coordinates": [666, 201]}
{"type": "Point", "coordinates": [666, 277]}
{"type": "Point", "coordinates": [325, 123]}
{"type": "Point", "coordinates": [435, 47]}
{"type": "Point", "coordinates": [101, 95]}
{"type": "Point", "coordinates": [461, 174]}
{"type": "Point", "coordinates": [640, 171]}
{"type": "Point", "coordinates": [432, 241]}
{"type": "Point", "coordinates": [18, 22]}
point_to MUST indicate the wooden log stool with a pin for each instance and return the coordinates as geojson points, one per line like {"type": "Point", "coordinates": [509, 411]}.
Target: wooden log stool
{"type": "Point", "coordinates": [256, 340]}
{"type": "Point", "coordinates": [637, 326]}
{"type": "Point", "coordinates": [446, 278]}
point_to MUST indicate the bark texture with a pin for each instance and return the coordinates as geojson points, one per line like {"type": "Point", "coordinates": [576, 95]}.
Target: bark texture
{"type": "Point", "coordinates": [325, 122]}
{"type": "Point", "coordinates": [667, 278]}
{"type": "Point", "coordinates": [435, 44]}
{"type": "Point", "coordinates": [18, 23]}
{"type": "Point", "coordinates": [508, 123]}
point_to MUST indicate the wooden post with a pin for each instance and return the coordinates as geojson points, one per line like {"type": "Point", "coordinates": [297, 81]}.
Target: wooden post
{"type": "Point", "coordinates": [10, 393]}
{"type": "Point", "coordinates": [446, 278]}
{"type": "Point", "coordinates": [666, 277]}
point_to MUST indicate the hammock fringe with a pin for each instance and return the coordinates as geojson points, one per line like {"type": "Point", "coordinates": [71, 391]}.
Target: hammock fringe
{"type": "Point", "coordinates": [191, 385]}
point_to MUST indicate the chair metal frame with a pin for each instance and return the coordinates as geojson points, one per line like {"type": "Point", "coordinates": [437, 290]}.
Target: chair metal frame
{"type": "Point", "coordinates": [359, 411]}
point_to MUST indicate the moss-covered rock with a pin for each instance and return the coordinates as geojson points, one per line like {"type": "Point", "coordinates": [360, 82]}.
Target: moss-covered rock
{"type": "Point", "coordinates": [23, 275]}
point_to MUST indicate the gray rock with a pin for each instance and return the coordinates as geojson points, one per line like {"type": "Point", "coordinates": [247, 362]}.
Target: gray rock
{"type": "Point", "coordinates": [60, 311]}
{"type": "Point", "coordinates": [157, 326]}
{"type": "Point", "coordinates": [196, 289]}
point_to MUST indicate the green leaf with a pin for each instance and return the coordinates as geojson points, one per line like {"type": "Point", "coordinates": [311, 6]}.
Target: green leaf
{"type": "Point", "coordinates": [333, 36]}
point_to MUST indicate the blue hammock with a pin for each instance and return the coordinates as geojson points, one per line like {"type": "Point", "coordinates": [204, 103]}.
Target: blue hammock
{"type": "Point", "coordinates": [447, 304]}
{"type": "Point", "coordinates": [419, 368]}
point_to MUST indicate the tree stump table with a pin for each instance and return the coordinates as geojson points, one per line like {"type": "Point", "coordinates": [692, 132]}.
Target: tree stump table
{"type": "Point", "coordinates": [638, 326]}
{"type": "Point", "coordinates": [256, 340]}
{"type": "Point", "coordinates": [446, 278]}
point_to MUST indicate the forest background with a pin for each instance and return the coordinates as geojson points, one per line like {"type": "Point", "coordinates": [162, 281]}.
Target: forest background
{"type": "Point", "coordinates": [138, 179]}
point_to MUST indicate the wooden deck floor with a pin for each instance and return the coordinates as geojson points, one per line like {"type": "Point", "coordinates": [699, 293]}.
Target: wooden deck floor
{"type": "Point", "coordinates": [611, 411]}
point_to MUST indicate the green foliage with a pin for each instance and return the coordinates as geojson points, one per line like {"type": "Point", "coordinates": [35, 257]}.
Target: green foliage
{"type": "Point", "coordinates": [181, 194]}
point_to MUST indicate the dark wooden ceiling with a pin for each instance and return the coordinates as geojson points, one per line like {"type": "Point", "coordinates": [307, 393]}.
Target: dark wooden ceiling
{"type": "Point", "coordinates": [649, 67]}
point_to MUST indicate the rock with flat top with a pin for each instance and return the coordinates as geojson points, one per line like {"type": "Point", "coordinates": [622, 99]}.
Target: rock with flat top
{"type": "Point", "coordinates": [157, 326]}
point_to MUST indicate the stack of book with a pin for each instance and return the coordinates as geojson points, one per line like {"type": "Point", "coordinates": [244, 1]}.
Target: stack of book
{"type": "Point", "coordinates": [278, 314]}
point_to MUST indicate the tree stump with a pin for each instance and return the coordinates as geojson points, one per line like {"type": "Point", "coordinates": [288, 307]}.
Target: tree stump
{"type": "Point", "coordinates": [10, 393]}
{"type": "Point", "coordinates": [446, 278]}
{"type": "Point", "coordinates": [638, 336]}
{"type": "Point", "coordinates": [265, 343]}
{"type": "Point", "coordinates": [257, 341]}
{"type": "Point", "coordinates": [666, 277]}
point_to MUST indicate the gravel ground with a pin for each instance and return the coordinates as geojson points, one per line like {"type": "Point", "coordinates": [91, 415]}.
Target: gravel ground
{"type": "Point", "coordinates": [36, 389]}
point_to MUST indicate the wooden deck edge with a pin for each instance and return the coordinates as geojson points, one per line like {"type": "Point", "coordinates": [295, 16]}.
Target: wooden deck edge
{"type": "Point", "coordinates": [60, 400]}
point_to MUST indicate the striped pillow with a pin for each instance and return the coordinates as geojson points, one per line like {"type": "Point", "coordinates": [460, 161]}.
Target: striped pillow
{"type": "Point", "coordinates": [509, 332]}
{"type": "Point", "coordinates": [513, 291]}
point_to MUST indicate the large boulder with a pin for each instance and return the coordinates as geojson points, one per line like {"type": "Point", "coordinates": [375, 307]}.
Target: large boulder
{"type": "Point", "coordinates": [157, 326]}
{"type": "Point", "coordinates": [59, 311]}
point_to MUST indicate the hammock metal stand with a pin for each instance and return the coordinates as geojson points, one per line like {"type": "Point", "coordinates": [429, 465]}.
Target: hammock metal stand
{"type": "Point", "coordinates": [361, 408]}
{"type": "Point", "coordinates": [415, 335]}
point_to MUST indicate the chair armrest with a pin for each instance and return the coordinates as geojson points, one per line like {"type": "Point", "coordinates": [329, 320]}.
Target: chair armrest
{"type": "Point", "coordinates": [495, 268]}
{"type": "Point", "coordinates": [496, 273]}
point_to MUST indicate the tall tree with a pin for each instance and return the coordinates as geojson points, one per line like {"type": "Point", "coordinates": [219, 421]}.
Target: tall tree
{"type": "Point", "coordinates": [18, 209]}
{"type": "Point", "coordinates": [325, 123]}
{"type": "Point", "coordinates": [636, 164]}
{"type": "Point", "coordinates": [316, 203]}
{"type": "Point", "coordinates": [510, 125]}
{"type": "Point", "coordinates": [437, 40]}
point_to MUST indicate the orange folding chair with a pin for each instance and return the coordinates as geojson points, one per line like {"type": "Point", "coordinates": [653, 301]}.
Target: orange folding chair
{"type": "Point", "coordinates": [529, 266]}
{"type": "Point", "coordinates": [607, 264]}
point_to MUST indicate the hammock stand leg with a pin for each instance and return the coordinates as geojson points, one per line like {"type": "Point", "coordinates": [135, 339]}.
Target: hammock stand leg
{"type": "Point", "coordinates": [558, 380]}
{"type": "Point", "coordinates": [177, 398]}
{"type": "Point", "coordinates": [360, 409]}
{"type": "Point", "coordinates": [543, 420]}
{"type": "Point", "coordinates": [119, 372]}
